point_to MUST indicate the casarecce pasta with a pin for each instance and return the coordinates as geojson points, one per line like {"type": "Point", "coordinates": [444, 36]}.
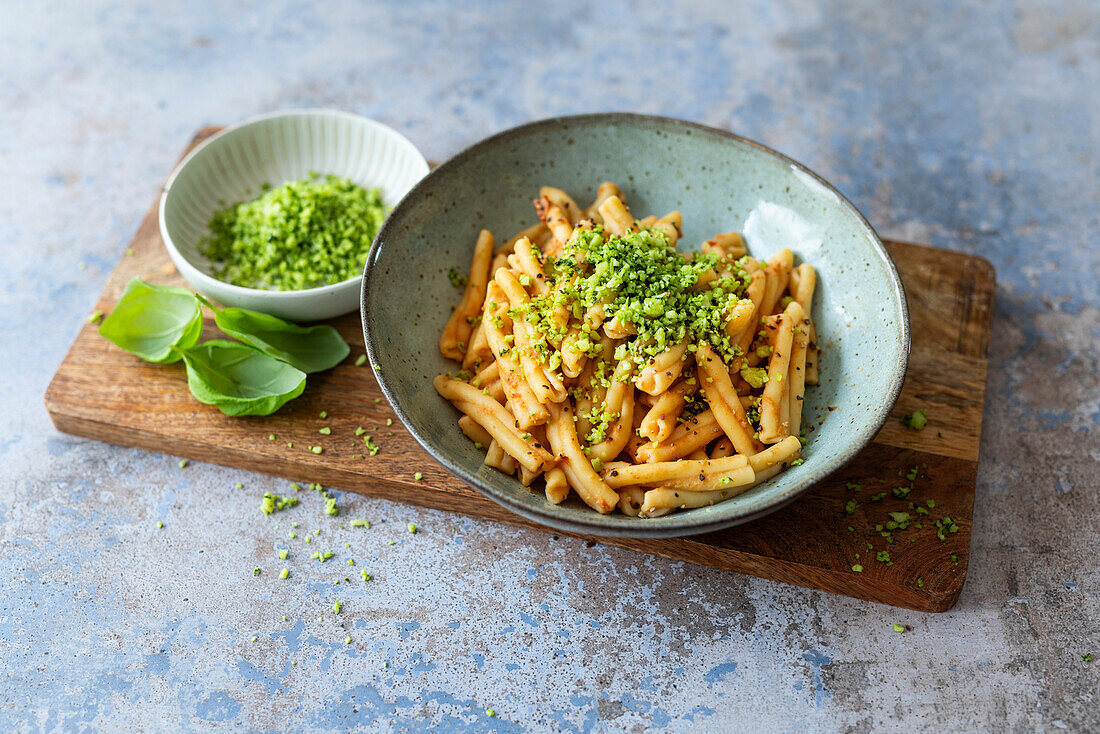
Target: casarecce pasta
{"type": "Point", "coordinates": [596, 357]}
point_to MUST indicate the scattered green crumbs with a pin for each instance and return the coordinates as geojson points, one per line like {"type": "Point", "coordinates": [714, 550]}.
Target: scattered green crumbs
{"type": "Point", "coordinates": [916, 420]}
{"type": "Point", "coordinates": [284, 573]}
{"type": "Point", "coordinates": [336, 607]}
{"type": "Point", "coordinates": [418, 476]}
{"type": "Point", "coordinates": [325, 431]}
{"type": "Point", "coordinates": [899, 628]}
{"type": "Point", "coordinates": [95, 317]}
{"type": "Point", "coordinates": [304, 234]}
{"type": "Point", "coordinates": [183, 463]}
{"type": "Point", "coordinates": [490, 712]}
{"type": "Point", "coordinates": [412, 528]}
{"type": "Point", "coordinates": [276, 503]}
{"type": "Point", "coordinates": [458, 280]}
{"type": "Point", "coordinates": [360, 360]}
{"type": "Point", "coordinates": [159, 525]}
{"type": "Point", "coordinates": [360, 524]}
{"type": "Point", "coordinates": [317, 449]}
{"type": "Point", "coordinates": [1087, 657]}
{"type": "Point", "coordinates": [857, 568]}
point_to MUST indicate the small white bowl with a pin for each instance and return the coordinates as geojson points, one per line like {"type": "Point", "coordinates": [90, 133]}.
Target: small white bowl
{"type": "Point", "coordinates": [231, 166]}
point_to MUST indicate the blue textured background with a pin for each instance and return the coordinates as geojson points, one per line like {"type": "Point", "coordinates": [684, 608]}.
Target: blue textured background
{"type": "Point", "coordinates": [968, 125]}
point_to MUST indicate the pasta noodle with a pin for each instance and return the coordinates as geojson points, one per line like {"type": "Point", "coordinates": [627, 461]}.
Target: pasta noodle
{"type": "Point", "coordinates": [599, 361]}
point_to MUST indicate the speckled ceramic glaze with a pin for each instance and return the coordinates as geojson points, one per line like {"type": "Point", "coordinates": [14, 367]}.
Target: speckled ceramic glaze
{"type": "Point", "coordinates": [720, 183]}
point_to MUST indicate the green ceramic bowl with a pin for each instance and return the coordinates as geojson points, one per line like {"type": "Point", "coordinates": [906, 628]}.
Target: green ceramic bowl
{"type": "Point", "coordinates": [720, 182]}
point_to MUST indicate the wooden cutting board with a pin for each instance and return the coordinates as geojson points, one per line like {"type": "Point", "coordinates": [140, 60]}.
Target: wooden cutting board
{"type": "Point", "coordinates": [104, 393]}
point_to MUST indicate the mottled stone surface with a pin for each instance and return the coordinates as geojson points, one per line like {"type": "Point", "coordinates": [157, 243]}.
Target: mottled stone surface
{"type": "Point", "coordinates": [969, 125]}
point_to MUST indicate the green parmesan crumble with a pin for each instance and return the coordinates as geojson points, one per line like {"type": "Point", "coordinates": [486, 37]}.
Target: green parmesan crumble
{"type": "Point", "coordinates": [276, 503]}
{"type": "Point", "coordinates": [899, 628]}
{"type": "Point", "coordinates": [284, 573]}
{"type": "Point", "coordinates": [303, 234]}
{"type": "Point", "coordinates": [916, 420]}
{"type": "Point", "coordinates": [412, 528]}
{"type": "Point", "coordinates": [360, 360]}
{"type": "Point", "coordinates": [183, 463]}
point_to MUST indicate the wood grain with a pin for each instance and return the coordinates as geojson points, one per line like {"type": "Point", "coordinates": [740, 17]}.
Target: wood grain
{"type": "Point", "coordinates": [103, 393]}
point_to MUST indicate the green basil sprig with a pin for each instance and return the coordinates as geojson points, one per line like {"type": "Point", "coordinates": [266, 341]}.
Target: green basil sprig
{"type": "Point", "coordinates": [309, 348]}
{"type": "Point", "coordinates": [163, 324]}
{"type": "Point", "coordinates": [239, 379]}
{"type": "Point", "coordinates": [150, 320]}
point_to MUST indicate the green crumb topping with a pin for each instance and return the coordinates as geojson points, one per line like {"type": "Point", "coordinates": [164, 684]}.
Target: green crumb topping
{"type": "Point", "coordinates": [418, 476]}
{"type": "Point", "coordinates": [238, 485]}
{"type": "Point", "coordinates": [857, 568]}
{"type": "Point", "coordinates": [920, 583]}
{"type": "Point", "coordinates": [183, 463]}
{"type": "Point", "coordinates": [254, 638]}
{"type": "Point", "coordinates": [945, 526]}
{"type": "Point", "coordinates": [95, 317]}
{"type": "Point", "coordinates": [283, 552]}
{"type": "Point", "coordinates": [899, 628]}
{"type": "Point", "coordinates": [330, 507]}
{"type": "Point", "coordinates": [360, 360]}
{"type": "Point", "coordinates": [798, 462]}
{"type": "Point", "coordinates": [325, 431]}
{"type": "Point", "coordinates": [271, 437]}
{"type": "Point", "coordinates": [336, 607]}
{"type": "Point", "coordinates": [1087, 657]}
{"type": "Point", "coordinates": [366, 576]}
{"type": "Point", "coordinates": [159, 525]}
{"type": "Point", "coordinates": [755, 376]}
{"type": "Point", "coordinates": [389, 421]}
{"type": "Point", "coordinates": [916, 420]}
{"type": "Point", "coordinates": [256, 572]}
{"type": "Point", "coordinates": [851, 506]}
{"type": "Point", "coordinates": [303, 234]}
{"type": "Point", "coordinates": [323, 414]}
{"type": "Point", "coordinates": [412, 528]}
{"type": "Point", "coordinates": [640, 281]}
{"type": "Point", "coordinates": [316, 449]}
{"type": "Point", "coordinates": [360, 523]}
{"type": "Point", "coordinates": [458, 280]}
{"type": "Point", "coordinates": [347, 640]}
{"type": "Point", "coordinates": [490, 712]}
{"type": "Point", "coordinates": [276, 503]}
{"type": "Point", "coordinates": [359, 430]}
{"type": "Point", "coordinates": [371, 445]}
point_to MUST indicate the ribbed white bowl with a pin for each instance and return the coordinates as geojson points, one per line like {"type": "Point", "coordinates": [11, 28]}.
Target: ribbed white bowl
{"type": "Point", "coordinates": [231, 166]}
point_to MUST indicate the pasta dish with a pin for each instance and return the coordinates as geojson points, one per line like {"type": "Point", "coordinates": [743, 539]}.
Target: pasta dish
{"type": "Point", "coordinates": [598, 360]}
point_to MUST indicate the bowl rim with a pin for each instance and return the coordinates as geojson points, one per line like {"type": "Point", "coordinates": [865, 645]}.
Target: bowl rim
{"type": "Point", "coordinates": [192, 273]}
{"type": "Point", "coordinates": [641, 528]}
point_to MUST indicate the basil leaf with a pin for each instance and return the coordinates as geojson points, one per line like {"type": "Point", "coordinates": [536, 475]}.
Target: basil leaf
{"type": "Point", "coordinates": [239, 379]}
{"type": "Point", "coordinates": [310, 349]}
{"type": "Point", "coordinates": [149, 320]}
